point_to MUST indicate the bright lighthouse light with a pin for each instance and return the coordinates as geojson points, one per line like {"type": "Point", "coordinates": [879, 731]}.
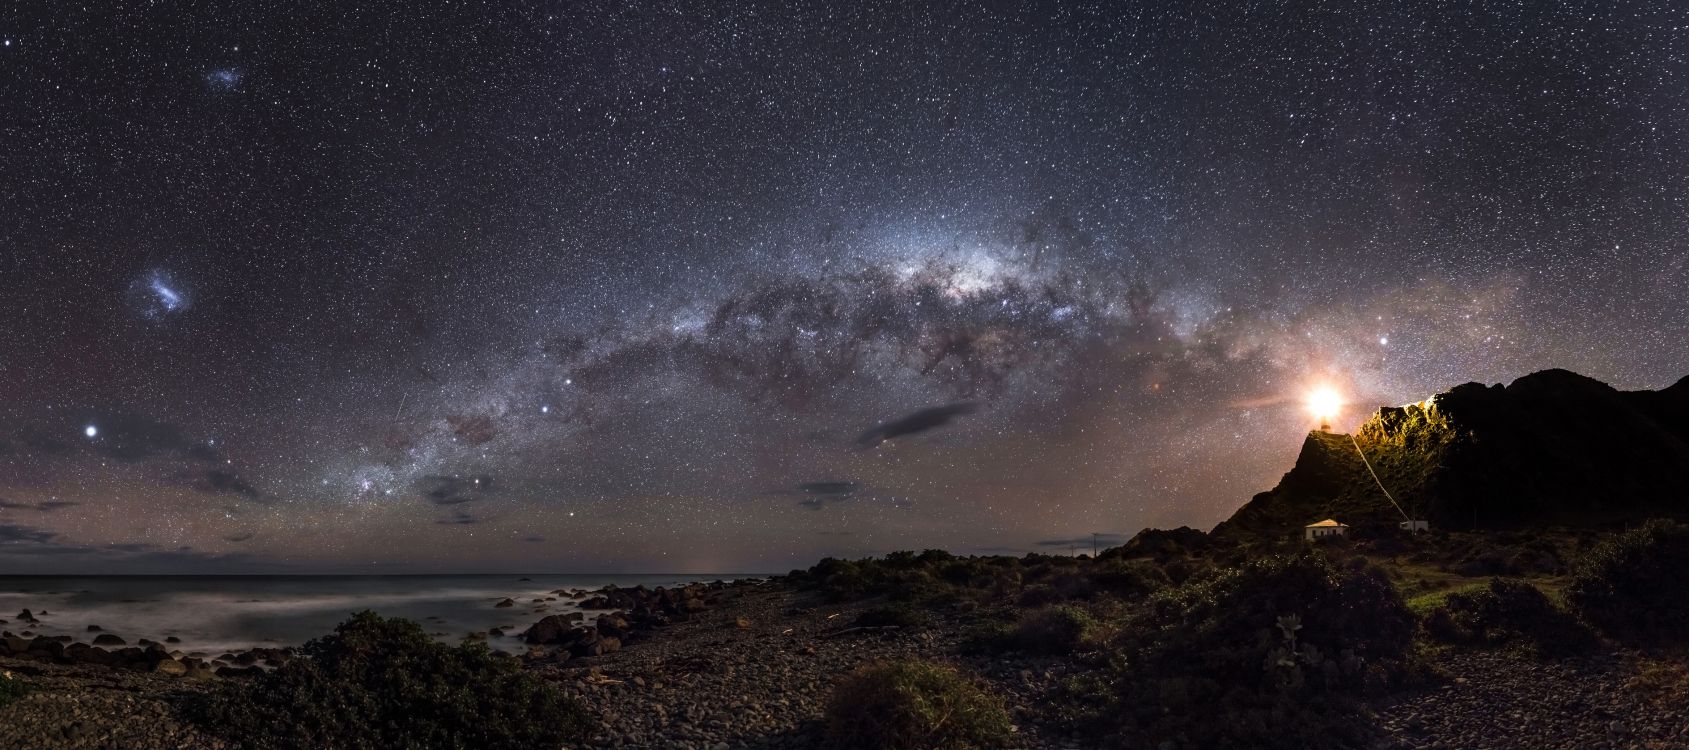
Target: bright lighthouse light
{"type": "Point", "coordinates": [1324, 403]}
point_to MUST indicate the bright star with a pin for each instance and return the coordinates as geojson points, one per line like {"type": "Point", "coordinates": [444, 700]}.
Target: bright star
{"type": "Point", "coordinates": [91, 431]}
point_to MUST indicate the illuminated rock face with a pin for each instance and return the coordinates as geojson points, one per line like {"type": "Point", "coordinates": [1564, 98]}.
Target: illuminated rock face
{"type": "Point", "coordinates": [1552, 448]}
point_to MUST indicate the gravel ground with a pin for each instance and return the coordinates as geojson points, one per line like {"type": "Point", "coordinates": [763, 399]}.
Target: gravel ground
{"type": "Point", "coordinates": [709, 684]}
{"type": "Point", "coordinates": [1501, 701]}
{"type": "Point", "coordinates": [89, 706]}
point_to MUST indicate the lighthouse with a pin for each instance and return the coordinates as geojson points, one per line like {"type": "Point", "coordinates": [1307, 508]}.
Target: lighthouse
{"type": "Point", "coordinates": [1324, 403]}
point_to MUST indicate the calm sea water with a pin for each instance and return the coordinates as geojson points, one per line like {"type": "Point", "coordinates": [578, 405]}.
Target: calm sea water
{"type": "Point", "coordinates": [226, 613]}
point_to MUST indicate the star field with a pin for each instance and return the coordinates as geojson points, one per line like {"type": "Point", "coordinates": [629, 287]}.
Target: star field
{"type": "Point", "coordinates": [682, 287]}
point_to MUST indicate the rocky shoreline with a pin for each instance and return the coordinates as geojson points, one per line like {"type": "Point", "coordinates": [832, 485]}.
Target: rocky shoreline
{"type": "Point", "coordinates": [750, 664]}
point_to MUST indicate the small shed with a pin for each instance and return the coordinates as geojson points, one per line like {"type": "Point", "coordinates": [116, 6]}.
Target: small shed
{"type": "Point", "coordinates": [1324, 530]}
{"type": "Point", "coordinates": [1415, 525]}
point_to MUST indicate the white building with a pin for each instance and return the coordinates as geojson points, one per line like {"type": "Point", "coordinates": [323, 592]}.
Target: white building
{"type": "Point", "coordinates": [1415, 525]}
{"type": "Point", "coordinates": [1324, 530]}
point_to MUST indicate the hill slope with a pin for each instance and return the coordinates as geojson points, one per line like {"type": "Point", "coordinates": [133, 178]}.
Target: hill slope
{"type": "Point", "coordinates": [1552, 448]}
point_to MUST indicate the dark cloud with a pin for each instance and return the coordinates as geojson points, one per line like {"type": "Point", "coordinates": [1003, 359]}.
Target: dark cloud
{"type": "Point", "coordinates": [40, 440]}
{"type": "Point", "coordinates": [454, 489]}
{"type": "Point", "coordinates": [45, 506]}
{"type": "Point", "coordinates": [241, 537]}
{"type": "Point", "coordinates": [820, 494]}
{"type": "Point", "coordinates": [817, 495]}
{"type": "Point", "coordinates": [829, 488]}
{"type": "Point", "coordinates": [124, 436]}
{"type": "Point", "coordinates": [459, 518]}
{"type": "Point", "coordinates": [130, 437]}
{"type": "Point", "coordinates": [218, 481]}
{"type": "Point", "coordinates": [1102, 540]}
{"type": "Point", "coordinates": [914, 423]}
{"type": "Point", "coordinates": [40, 552]}
{"type": "Point", "coordinates": [13, 533]}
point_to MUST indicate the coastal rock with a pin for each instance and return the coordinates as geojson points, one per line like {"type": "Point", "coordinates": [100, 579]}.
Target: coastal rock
{"type": "Point", "coordinates": [505, 603]}
{"type": "Point", "coordinates": [93, 628]}
{"type": "Point", "coordinates": [170, 667]}
{"type": "Point", "coordinates": [107, 639]}
{"type": "Point", "coordinates": [82, 653]}
{"type": "Point", "coordinates": [50, 646]}
{"type": "Point", "coordinates": [549, 630]}
{"type": "Point", "coordinates": [27, 616]}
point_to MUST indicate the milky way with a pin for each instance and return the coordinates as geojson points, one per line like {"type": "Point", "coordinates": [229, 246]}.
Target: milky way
{"type": "Point", "coordinates": [686, 288]}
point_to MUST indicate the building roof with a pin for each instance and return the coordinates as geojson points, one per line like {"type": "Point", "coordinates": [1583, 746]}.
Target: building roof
{"type": "Point", "coordinates": [1326, 522]}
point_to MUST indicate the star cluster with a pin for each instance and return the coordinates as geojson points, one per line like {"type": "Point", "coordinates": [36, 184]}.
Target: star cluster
{"type": "Point", "coordinates": [681, 287]}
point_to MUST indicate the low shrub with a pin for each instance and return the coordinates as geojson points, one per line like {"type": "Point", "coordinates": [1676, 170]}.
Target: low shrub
{"type": "Point", "coordinates": [913, 705]}
{"type": "Point", "coordinates": [1054, 630]}
{"type": "Point", "coordinates": [1061, 629]}
{"type": "Point", "coordinates": [1129, 579]}
{"type": "Point", "coordinates": [11, 688]}
{"type": "Point", "coordinates": [1632, 586]}
{"type": "Point", "coordinates": [383, 683]}
{"type": "Point", "coordinates": [1272, 653]}
{"type": "Point", "coordinates": [1038, 595]}
{"type": "Point", "coordinates": [988, 637]}
{"type": "Point", "coordinates": [1509, 613]}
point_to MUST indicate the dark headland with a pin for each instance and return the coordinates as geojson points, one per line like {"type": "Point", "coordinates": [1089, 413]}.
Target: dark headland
{"type": "Point", "coordinates": [1545, 605]}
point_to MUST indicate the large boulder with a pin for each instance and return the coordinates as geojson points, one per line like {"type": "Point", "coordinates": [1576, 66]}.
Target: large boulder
{"type": "Point", "coordinates": [82, 653]}
{"type": "Point", "coordinates": [549, 630]}
{"type": "Point", "coordinates": [107, 639]}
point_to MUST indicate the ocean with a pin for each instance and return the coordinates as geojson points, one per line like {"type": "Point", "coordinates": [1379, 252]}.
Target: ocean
{"type": "Point", "coordinates": [214, 614]}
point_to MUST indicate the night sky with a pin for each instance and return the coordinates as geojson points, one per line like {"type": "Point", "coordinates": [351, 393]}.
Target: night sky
{"type": "Point", "coordinates": [732, 286]}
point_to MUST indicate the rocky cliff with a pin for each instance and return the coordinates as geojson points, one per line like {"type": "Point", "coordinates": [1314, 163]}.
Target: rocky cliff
{"type": "Point", "coordinates": [1552, 448]}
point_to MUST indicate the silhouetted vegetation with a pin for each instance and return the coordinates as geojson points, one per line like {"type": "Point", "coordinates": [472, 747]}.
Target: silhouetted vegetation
{"type": "Point", "coordinates": [1509, 613]}
{"type": "Point", "coordinates": [1632, 585]}
{"type": "Point", "coordinates": [1053, 630]}
{"type": "Point", "coordinates": [11, 688]}
{"type": "Point", "coordinates": [1270, 653]}
{"type": "Point", "coordinates": [914, 705]}
{"type": "Point", "coordinates": [383, 683]}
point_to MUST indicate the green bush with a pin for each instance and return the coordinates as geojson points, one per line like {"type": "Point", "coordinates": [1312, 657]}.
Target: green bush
{"type": "Point", "coordinates": [1509, 613]}
{"type": "Point", "coordinates": [11, 688]}
{"type": "Point", "coordinates": [1056, 630]}
{"type": "Point", "coordinates": [913, 705]}
{"type": "Point", "coordinates": [383, 683]}
{"type": "Point", "coordinates": [1272, 653]}
{"type": "Point", "coordinates": [989, 637]}
{"type": "Point", "coordinates": [1128, 579]}
{"type": "Point", "coordinates": [1632, 585]}
{"type": "Point", "coordinates": [1061, 629]}
{"type": "Point", "coordinates": [1038, 595]}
